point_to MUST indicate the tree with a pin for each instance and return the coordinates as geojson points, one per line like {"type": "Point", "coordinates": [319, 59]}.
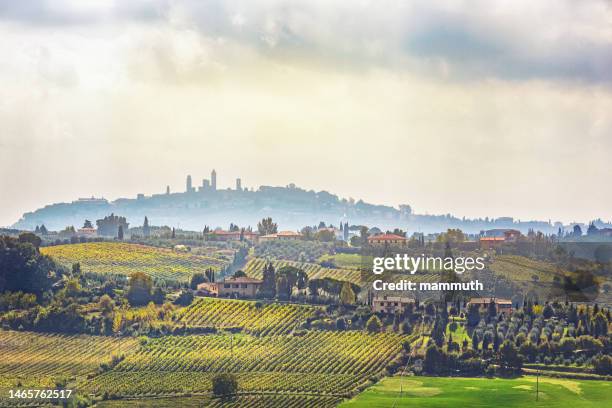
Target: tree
{"type": "Point", "coordinates": [347, 296]}
{"type": "Point", "coordinates": [475, 340]}
{"type": "Point", "coordinates": [120, 233]}
{"type": "Point", "coordinates": [325, 236]}
{"type": "Point", "coordinates": [548, 311]}
{"type": "Point", "coordinates": [603, 364]}
{"type": "Point", "coordinates": [283, 288]}
{"type": "Point", "coordinates": [196, 279]}
{"type": "Point", "coordinates": [224, 385]}
{"type": "Point", "coordinates": [268, 286]}
{"type": "Point", "coordinates": [374, 325]}
{"type": "Point", "coordinates": [139, 291]}
{"type": "Point", "coordinates": [473, 315]}
{"type": "Point", "coordinates": [28, 237]}
{"type": "Point", "coordinates": [434, 362]}
{"type": "Point", "coordinates": [87, 224]}
{"type": "Point", "coordinates": [210, 274]}
{"type": "Point", "coordinates": [106, 304]}
{"type": "Point", "coordinates": [43, 230]}
{"type": "Point", "coordinates": [239, 274]}
{"type": "Point", "coordinates": [23, 268]}
{"type": "Point", "coordinates": [158, 296]}
{"type": "Point", "coordinates": [509, 357]}
{"type": "Point", "coordinates": [266, 226]}
{"type": "Point", "coordinates": [185, 298]}
{"type": "Point", "coordinates": [492, 310]}
{"type": "Point", "coordinates": [146, 230]}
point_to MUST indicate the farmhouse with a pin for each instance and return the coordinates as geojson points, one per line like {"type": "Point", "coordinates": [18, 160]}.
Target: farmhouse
{"type": "Point", "coordinates": [390, 239]}
{"type": "Point", "coordinates": [491, 242]}
{"type": "Point", "coordinates": [495, 237]}
{"type": "Point", "coordinates": [281, 236]}
{"type": "Point", "coordinates": [502, 305]}
{"type": "Point", "coordinates": [390, 304]}
{"type": "Point", "coordinates": [241, 287]}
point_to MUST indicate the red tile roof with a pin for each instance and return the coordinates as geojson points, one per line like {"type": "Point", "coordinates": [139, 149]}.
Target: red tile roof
{"type": "Point", "coordinates": [386, 237]}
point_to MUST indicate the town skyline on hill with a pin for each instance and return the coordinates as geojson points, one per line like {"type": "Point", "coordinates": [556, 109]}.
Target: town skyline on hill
{"type": "Point", "coordinates": [208, 203]}
{"type": "Point", "coordinates": [488, 113]}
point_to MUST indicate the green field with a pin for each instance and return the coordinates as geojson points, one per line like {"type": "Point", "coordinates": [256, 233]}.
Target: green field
{"type": "Point", "coordinates": [124, 259]}
{"type": "Point", "coordinates": [439, 392]}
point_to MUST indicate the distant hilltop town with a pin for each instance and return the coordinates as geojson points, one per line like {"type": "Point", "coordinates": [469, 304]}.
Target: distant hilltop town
{"type": "Point", "coordinates": [290, 206]}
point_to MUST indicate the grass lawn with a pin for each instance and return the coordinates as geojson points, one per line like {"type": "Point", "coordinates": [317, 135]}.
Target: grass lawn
{"type": "Point", "coordinates": [483, 392]}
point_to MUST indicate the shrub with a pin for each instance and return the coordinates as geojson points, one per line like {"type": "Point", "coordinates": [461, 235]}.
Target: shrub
{"type": "Point", "coordinates": [374, 324]}
{"type": "Point", "coordinates": [224, 385]}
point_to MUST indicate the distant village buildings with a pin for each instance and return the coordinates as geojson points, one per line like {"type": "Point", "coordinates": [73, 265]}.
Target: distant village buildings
{"type": "Point", "coordinates": [281, 236]}
{"type": "Point", "coordinates": [240, 235]}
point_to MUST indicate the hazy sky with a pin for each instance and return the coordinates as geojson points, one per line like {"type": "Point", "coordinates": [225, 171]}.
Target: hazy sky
{"type": "Point", "coordinates": [475, 108]}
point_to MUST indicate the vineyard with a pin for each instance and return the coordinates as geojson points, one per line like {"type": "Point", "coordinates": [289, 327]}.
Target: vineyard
{"type": "Point", "coordinates": [251, 317]}
{"type": "Point", "coordinates": [40, 360]}
{"type": "Point", "coordinates": [520, 269]}
{"type": "Point", "coordinates": [331, 363]}
{"type": "Point", "coordinates": [254, 268]}
{"type": "Point", "coordinates": [124, 259]}
{"type": "Point", "coordinates": [242, 401]}
{"type": "Point", "coordinates": [302, 251]}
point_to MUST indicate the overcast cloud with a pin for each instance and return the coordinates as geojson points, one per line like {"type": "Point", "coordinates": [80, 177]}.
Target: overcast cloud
{"type": "Point", "coordinates": [477, 108]}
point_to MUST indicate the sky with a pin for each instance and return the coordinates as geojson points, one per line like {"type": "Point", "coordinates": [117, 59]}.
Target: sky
{"type": "Point", "coordinates": [479, 108]}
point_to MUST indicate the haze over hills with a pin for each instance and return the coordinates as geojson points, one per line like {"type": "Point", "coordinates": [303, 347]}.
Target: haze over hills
{"type": "Point", "coordinates": [291, 207]}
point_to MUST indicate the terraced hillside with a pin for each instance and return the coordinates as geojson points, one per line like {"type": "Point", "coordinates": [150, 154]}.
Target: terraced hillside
{"type": "Point", "coordinates": [124, 259]}
{"type": "Point", "coordinates": [251, 317]}
{"type": "Point", "coordinates": [254, 268]}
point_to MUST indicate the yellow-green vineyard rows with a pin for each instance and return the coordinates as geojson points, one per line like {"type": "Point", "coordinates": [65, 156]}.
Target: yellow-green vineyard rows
{"type": "Point", "coordinates": [255, 266]}
{"type": "Point", "coordinates": [251, 317]}
{"type": "Point", "coordinates": [519, 268]}
{"type": "Point", "coordinates": [124, 259]}
{"type": "Point", "coordinates": [39, 360]}
{"type": "Point", "coordinates": [241, 401]}
{"type": "Point", "coordinates": [334, 363]}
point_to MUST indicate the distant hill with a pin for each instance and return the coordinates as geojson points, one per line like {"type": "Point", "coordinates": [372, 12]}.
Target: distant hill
{"type": "Point", "coordinates": [291, 207]}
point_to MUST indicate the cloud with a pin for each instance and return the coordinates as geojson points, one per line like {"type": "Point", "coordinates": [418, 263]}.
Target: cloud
{"type": "Point", "coordinates": [515, 40]}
